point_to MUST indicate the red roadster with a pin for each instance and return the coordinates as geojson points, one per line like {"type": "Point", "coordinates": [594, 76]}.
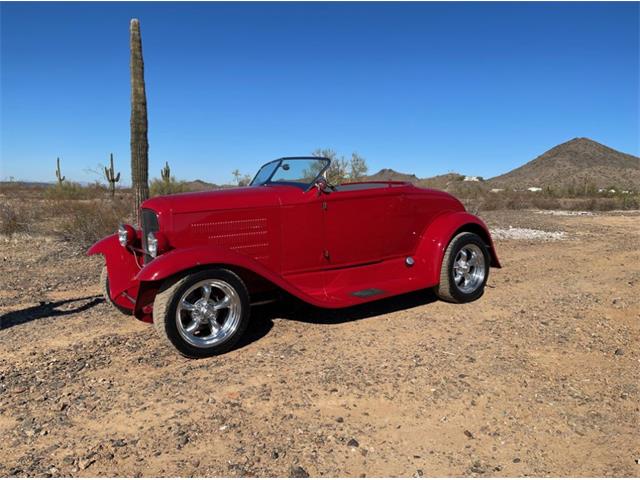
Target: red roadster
{"type": "Point", "coordinates": [200, 260]}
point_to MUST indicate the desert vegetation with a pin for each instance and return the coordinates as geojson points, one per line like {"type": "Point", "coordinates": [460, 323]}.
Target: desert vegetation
{"type": "Point", "coordinates": [83, 214]}
{"type": "Point", "coordinates": [167, 183]}
{"type": "Point", "coordinates": [111, 176]}
{"type": "Point", "coordinates": [139, 123]}
{"type": "Point", "coordinates": [478, 197]}
{"type": "Point", "coordinates": [342, 170]}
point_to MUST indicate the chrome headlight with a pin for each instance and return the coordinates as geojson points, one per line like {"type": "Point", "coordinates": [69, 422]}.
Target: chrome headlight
{"type": "Point", "coordinates": [126, 234]}
{"type": "Point", "coordinates": [152, 244]}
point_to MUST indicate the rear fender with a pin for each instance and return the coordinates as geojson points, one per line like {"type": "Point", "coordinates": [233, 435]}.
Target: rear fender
{"type": "Point", "coordinates": [122, 268]}
{"type": "Point", "coordinates": [436, 237]}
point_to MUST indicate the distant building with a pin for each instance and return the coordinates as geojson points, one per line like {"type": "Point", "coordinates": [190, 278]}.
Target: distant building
{"type": "Point", "coordinates": [534, 189]}
{"type": "Point", "coordinates": [469, 178]}
{"type": "Point", "coordinates": [496, 190]}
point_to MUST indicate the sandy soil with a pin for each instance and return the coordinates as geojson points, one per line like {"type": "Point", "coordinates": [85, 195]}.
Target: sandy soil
{"type": "Point", "coordinates": [539, 377]}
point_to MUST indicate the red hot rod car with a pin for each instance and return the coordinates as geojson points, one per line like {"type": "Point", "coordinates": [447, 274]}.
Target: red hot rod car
{"type": "Point", "coordinates": [200, 260]}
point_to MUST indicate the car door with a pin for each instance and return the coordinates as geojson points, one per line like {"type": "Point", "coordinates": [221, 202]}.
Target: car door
{"type": "Point", "coordinates": [303, 234]}
{"type": "Point", "coordinates": [358, 223]}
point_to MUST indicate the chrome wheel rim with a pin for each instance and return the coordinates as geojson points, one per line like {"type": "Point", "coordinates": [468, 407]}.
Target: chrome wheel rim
{"type": "Point", "coordinates": [469, 268]}
{"type": "Point", "coordinates": [208, 313]}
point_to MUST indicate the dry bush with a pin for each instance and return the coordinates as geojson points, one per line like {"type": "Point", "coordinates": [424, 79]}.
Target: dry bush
{"type": "Point", "coordinates": [85, 222]}
{"type": "Point", "coordinates": [12, 220]}
{"type": "Point", "coordinates": [548, 200]}
{"type": "Point", "coordinates": [74, 191]}
{"type": "Point", "coordinates": [602, 203]}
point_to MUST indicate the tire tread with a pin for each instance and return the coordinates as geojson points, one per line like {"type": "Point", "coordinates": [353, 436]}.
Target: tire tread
{"type": "Point", "coordinates": [443, 290]}
{"type": "Point", "coordinates": [446, 290]}
{"type": "Point", "coordinates": [164, 299]}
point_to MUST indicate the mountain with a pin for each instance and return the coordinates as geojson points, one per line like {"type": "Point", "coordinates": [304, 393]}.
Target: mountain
{"type": "Point", "coordinates": [578, 161]}
{"type": "Point", "coordinates": [441, 182]}
{"type": "Point", "coordinates": [200, 185]}
{"type": "Point", "coordinates": [387, 174]}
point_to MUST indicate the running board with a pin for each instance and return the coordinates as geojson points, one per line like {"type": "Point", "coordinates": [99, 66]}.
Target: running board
{"type": "Point", "coordinates": [263, 302]}
{"type": "Point", "coordinates": [367, 292]}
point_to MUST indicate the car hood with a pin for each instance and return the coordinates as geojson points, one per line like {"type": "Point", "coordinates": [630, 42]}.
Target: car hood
{"type": "Point", "coordinates": [241, 197]}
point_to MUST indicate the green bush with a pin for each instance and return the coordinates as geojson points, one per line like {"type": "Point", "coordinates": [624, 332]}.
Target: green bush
{"type": "Point", "coordinates": [167, 187]}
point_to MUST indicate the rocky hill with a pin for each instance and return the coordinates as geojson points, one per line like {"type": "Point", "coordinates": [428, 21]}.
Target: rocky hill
{"type": "Point", "coordinates": [578, 161]}
{"type": "Point", "coordinates": [387, 174]}
{"type": "Point", "coordinates": [200, 185]}
{"type": "Point", "coordinates": [442, 182]}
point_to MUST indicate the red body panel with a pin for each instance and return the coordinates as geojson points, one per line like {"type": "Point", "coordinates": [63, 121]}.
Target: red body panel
{"type": "Point", "coordinates": [436, 236]}
{"type": "Point", "coordinates": [330, 249]}
{"type": "Point", "coordinates": [122, 266]}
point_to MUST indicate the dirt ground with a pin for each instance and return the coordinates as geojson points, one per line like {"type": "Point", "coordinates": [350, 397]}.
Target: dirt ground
{"type": "Point", "coordinates": [540, 377]}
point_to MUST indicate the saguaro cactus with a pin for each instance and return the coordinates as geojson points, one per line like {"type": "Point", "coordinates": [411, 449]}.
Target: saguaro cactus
{"type": "Point", "coordinates": [112, 178]}
{"type": "Point", "coordinates": [58, 173]}
{"type": "Point", "coordinates": [139, 141]}
{"type": "Point", "coordinates": [165, 173]}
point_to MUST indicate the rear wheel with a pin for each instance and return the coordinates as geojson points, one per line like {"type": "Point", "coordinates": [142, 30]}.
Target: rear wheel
{"type": "Point", "coordinates": [202, 314]}
{"type": "Point", "coordinates": [465, 269]}
{"type": "Point", "coordinates": [104, 283]}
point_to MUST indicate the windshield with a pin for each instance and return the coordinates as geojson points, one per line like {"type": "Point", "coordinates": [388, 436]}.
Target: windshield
{"type": "Point", "coordinates": [298, 171]}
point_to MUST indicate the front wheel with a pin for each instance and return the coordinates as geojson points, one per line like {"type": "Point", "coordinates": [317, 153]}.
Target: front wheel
{"type": "Point", "coordinates": [202, 314]}
{"type": "Point", "coordinates": [465, 269]}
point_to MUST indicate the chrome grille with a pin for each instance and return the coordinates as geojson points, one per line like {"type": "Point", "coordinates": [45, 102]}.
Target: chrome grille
{"type": "Point", "coordinates": [149, 224]}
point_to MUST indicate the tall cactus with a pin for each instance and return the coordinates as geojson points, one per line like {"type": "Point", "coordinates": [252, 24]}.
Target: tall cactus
{"type": "Point", "coordinates": [139, 141]}
{"type": "Point", "coordinates": [58, 173]}
{"type": "Point", "coordinates": [165, 173]}
{"type": "Point", "coordinates": [112, 178]}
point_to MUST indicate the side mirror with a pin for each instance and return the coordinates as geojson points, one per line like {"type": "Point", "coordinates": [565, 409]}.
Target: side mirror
{"type": "Point", "coordinates": [322, 185]}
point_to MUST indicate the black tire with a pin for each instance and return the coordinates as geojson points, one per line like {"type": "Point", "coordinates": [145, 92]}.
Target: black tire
{"type": "Point", "coordinates": [165, 315]}
{"type": "Point", "coordinates": [104, 283]}
{"type": "Point", "coordinates": [451, 291]}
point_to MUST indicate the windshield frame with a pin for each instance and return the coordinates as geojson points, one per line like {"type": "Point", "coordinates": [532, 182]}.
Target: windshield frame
{"type": "Point", "coordinates": [305, 187]}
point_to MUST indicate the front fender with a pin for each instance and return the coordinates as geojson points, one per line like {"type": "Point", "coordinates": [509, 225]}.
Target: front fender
{"type": "Point", "coordinates": [437, 235]}
{"type": "Point", "coordinates": [180, 260]}
{"type": "Point", "coordinates": [122, 267]}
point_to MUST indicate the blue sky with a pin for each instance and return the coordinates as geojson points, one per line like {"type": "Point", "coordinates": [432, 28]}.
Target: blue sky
{"type": "Point", "coordinates": [426, 88]}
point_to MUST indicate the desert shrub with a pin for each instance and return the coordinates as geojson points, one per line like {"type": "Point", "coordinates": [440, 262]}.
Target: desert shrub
{"type": "Point", "coordinates": [167, 187]}
{"type": "Point", "coordinates": [602, 203]}
{"type": "Point", "coordinates": [545, 202]}
{"type": "Point", "coordinates": [605, 204]}
{"type": "Point", "coordinates": [12, 220]}
{"type": "Point", "coordinates": [64, 191]}
{"type": "Point", "coordinates": [74, 191]}
{"type": "Point", "coordinates": [514, 200]}
{"type": "Point", "coordinates": [341, 169]}
{"type": "Point", "coordinates": [630, 202]}
{"type": "Point", "coordinates": [85, 222]}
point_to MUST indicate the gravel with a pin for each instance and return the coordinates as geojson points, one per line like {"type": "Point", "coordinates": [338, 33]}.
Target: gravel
{"type": "Point", "coordinates": [405, 387]}
{"type": "Point", "coordinates": [514, 233]}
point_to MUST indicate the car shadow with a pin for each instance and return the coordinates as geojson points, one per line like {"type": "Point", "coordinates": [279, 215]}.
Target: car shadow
{"type": "Point", "coordinates": [293, 309]}
{"type": "Point", "coordinates": [48, 310]}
